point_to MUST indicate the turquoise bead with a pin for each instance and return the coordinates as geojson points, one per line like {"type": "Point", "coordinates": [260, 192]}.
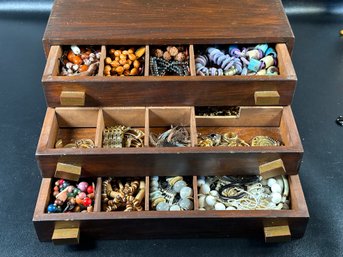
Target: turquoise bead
{"type": "Point", "coordinates": [254, 65]}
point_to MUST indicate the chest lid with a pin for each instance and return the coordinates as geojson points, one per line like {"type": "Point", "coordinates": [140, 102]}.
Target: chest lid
{"type": "Point", "coordinates": [167, 22]}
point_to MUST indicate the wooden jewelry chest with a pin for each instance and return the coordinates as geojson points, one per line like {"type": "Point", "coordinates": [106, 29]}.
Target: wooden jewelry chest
{"type": "Point", "coordinates": [85, 105]}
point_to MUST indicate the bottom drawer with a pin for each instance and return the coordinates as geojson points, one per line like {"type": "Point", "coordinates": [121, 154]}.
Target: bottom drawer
{"type": "Point", "coordinates": [171, 224]}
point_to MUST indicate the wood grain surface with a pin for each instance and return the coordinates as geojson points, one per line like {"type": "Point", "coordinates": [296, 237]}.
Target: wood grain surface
{"type": "Point", "coordinates": [167, 22]}
{"type": "Point", "coordinates": [166, 160]}
{"type": "Point", "coordinates": [169, 90]}
{"type": "Point", "coordinates": [154, 224]}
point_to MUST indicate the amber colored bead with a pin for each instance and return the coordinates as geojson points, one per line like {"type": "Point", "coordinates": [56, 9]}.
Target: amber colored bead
{"type": "Point", "coordinates": [122, 61]}
{"type": "Point", "coordinates": [126, 72]}
{"type": "Point", "coordinates": [108, 60]}
{"type": "Point", "coordinates": [134, 72]}
{"type": "Point", "coordinates": [136, 64]}
{"type": "Point", "coordinates": [83, 68]}
{"type": "Point", "coordinates": [117, 53]}
{"type": "Point", "coordinates": [120, 69]}
{"type": "Point", "coordinates": [131, 50]}
{"type": "Point", "coordinates": [114, 64]}
{"type": "Point", "coordinates": [125, 52]}
{"type": "Point", "coordinates": [71, 56]}
{"type": "Point", "coordinates": [78, 200]}
{"type": "Point", "coordinates": [77, 60]}
{"type": "Point", "coordinates": [126, 66]}
{"type": "Point", "coordinates": [122, 57]}
{"type": "Point", "coordinates": [111, 51]}
{"type": "Point", "coordinates": [132, 57]}
{"type": "Point", "coordinates": [117, 58]}
{"type": "Point", "coordinates": [107, 68]}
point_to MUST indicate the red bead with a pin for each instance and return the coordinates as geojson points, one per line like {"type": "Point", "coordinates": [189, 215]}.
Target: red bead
{"type": "Point", "coordinates": [61, 181]}
{"type": "Point", "coordinates": [87, 201]}
{"type": "Point", "coordinates": [56, 188]}
{"type": "Point", "coordinates": [90, 189]}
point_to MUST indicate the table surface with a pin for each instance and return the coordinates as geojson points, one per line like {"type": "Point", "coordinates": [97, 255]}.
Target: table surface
{"type": "Point", "coordinates": [317, 103]}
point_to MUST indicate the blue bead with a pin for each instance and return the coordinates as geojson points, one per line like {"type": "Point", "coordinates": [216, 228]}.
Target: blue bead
{"type": "Point", "coordinates": [271, 51]}
{"type": "Point", "coordinates": [262, 47]}
{"type": "Point", "coordinates": [233, 48]}
{"type": "Point", "coordinates": [254, 65]}
{"type": "Point", "coordinates": [51, 208]}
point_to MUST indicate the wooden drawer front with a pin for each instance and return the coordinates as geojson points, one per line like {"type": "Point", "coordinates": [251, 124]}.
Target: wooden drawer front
{"type": "Point", "coordinates": [76, 123]}
{"type": "Point", "coordinates": [149, 90]}
{"type": "Point", "coordinates": [156, 224]}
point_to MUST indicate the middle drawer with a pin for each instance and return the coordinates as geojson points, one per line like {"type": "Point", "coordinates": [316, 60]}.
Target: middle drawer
{"type": "Point", "coordinates": [66, 125]}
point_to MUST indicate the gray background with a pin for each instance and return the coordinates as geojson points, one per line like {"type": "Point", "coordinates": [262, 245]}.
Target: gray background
{"type": "Point", "coordinates": [318, 60]}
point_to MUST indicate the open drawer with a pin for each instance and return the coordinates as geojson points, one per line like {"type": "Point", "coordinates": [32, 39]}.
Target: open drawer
{"type": "Point", "coordinates": [277, 225]}
{"type": "Point", "coordinates": [73, 123]}
{"type": "Point", "coordinates": [148, 90]}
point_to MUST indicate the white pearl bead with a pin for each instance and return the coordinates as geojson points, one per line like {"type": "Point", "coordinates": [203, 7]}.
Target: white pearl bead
{"type": "Point", "coordinates": [202, 201]}
{"type": "Point", "coordinates": [201, 182]}
{"type": "Point", "coordinates": [75, 67]}
{"type": "Point", "coordinates": [205, 189]}
{"type": "Point", "coordinates": [276, 188]}
{"type": "Point", "coordinates": [186, 192]}
{"type": "Point", "coordinates": [175, 208]}
{"type": "Point", "coordinates": [186, 204]}
{"type": "Point", "coordinates": [219, 207]}
{"type": "Point", "coordinates": [162, 206]}
{"type": "Point", "coordinates": [210, 200]}
{"type": "Point", "coordinates": [230, 208]}
{"type": "Point", "coordinates": [75, 49]}
{"type": "Point", "coordinates": [214, 193]}
{"type": "Point", "coordinates": [69, 65]}
{"type": "Point", "coordinates": [271, 182]}
{"type": "Point", "coordinates": [179, 185]}
{"type": "Point", "coordinates": [276, 198]}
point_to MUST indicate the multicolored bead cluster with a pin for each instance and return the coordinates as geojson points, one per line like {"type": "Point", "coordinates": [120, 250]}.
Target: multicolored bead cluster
{"type": "Point", "coordinates": [80, 61]}
{"type": "Point", "coordinates": [170, 194]}
{"type": "Point", "coordinates": [235, 60]}
{"type": "Point", "coordinates": [70, 198]}
{"type": "Point", "coordinates": [173, 61]}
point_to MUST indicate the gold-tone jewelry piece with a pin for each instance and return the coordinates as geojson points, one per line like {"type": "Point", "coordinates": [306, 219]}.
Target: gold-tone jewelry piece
{"type": "Point", "coordinates": [84, 143]}
{"type": "Point", "coordinates": [232, 139]}
{"type": "Point", "coordinates": [79, 143]}
{"type": "Point", "coordinates": [122, 136]}
{"type": "Point", "coordinates": [127, 197]}
{"type": "Point", "coordinates": [228, 139]}
{"type": "Point", "coordinates": [264, 141]}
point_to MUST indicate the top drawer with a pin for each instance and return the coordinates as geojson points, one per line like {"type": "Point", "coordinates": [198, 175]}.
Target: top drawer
{"type": "Point", "coordinates": [149, 90]}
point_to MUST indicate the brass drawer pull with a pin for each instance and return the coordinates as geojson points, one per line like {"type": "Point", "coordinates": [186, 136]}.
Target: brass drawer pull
{"type": "Point", "coordinates": [267, 97]}
{"type": "Point", "coordinates": [72, 98]}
